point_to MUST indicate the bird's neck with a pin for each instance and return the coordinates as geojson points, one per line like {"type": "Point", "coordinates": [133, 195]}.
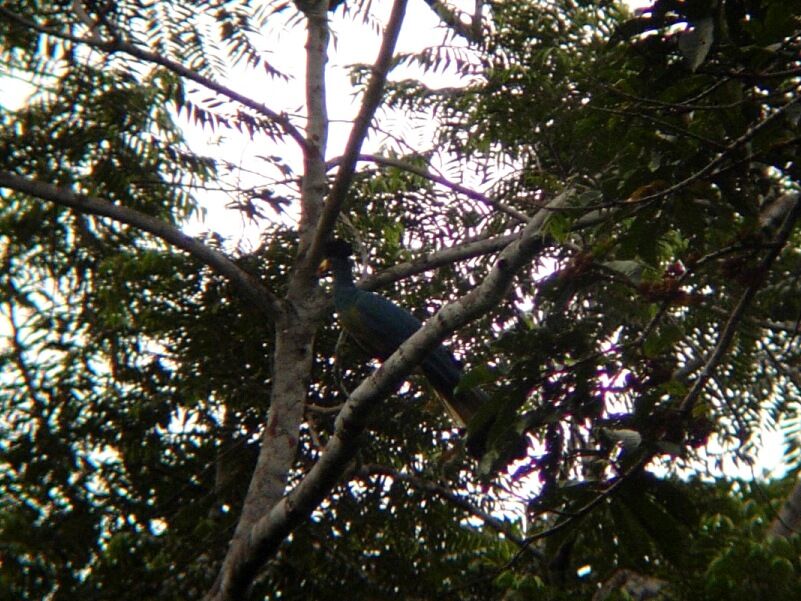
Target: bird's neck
{"type": "Point", "coordinates": [343, 273]}
{"type": "Point", "coordinates": [344, 286]}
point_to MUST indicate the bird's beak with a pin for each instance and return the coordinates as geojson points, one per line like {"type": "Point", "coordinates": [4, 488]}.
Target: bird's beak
{"type": "Point", "coordinates": [325, 266]}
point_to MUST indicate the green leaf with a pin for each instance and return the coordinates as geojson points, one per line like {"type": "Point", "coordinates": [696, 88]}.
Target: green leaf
{"type": "Point", "coordinates": [662, 340]}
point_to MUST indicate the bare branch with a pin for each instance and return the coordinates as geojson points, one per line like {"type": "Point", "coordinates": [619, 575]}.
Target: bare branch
{"type": "Point", "coordinates": [452, 18]}
{"type": "Point", "coordinates": [439, 179]}
{"type": "Point", "coordinates": [119, 45]}
{"type": "Point", "coordinates": [433, 260]}
{"type": "Point", "coordinates": [295, 328]}
{"type": "Point", "coordinates": [314, 183]}
{"type": "Point", "coordinates": [370, 102]}
{"type": "Point", "coordinates": [245, 283]}
{"type": "Point", "coordinates": [467, 250]}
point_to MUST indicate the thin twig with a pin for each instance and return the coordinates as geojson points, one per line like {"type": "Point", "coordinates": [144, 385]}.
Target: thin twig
{"type": "Point", "coordinates": [727, 334]}
{"type": "Point", "coordinates": [265, 537]}
{"type": "Point", "coordinates": [455, 499]}
{"type": "Point", "coordinates": [443, 181]}
{"type": "Point", "coordinates": [452, 18]}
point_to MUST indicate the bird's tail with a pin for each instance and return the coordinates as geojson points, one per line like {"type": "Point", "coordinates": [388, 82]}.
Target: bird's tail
{"type": "Point", "coordinates": [464, 407]}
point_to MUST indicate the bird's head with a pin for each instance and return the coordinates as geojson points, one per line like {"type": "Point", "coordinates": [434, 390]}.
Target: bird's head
{"type": "Point", "coordinates": [335, 250]}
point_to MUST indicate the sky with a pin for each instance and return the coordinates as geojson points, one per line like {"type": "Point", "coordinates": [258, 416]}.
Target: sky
{"type": "Point", "coordinates": [352, 42]}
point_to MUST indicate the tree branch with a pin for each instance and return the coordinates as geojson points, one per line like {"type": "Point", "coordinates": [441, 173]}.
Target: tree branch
{"type": "Point", "coordinates": [269, 532]}
{"type": "Point", "coordinates": [500, 526]}
{"type": "Point", "coordinates": [295, 328]}
{"type": "Point", "coordinates": [722, 155]}
{"type": "Point", "coordinates": [468, 250]}
{"type": "Point", "coordinates": [439, 179]}
{"type": "Point", "coordinates": [727, 334]}
{"type": "Point", "coordinates": [452, 18]}
{"type": "Point", "coordinates": [361, 125]}
{"type": "Point", "coordinates": [433, 260]}
{"type": "Point", "coordinates": [251, 288]}
{"type": "Point", "coordinates": [119, 45]}
{"type": "Point", "coordinates": [611, 488]}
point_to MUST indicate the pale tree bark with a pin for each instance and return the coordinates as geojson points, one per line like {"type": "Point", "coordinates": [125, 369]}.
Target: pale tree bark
{"type": "Point", "coordinates": [270, 512]}
{"type": "Point", "coordinates": [296, 324]}
{"type": "Point", "coordinates": [358, 133]}
{"type": "Point", "coordinates": [245, 283]}
{"type": "Point", "coordinates": [270, 531]}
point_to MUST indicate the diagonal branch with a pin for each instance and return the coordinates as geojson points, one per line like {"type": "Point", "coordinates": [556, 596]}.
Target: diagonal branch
{"type": "Point", "coordinates": [247, 285]}
{"type": "Point", "coordinates": [119, 45]}
{"type": "Point", "coordinates": [270, 531]}
{"type": "Point", "coordinates": [370, 102]}
{"type": "Point", "coordinates": [793, 211]}
{"type": "Point", "coordinates": [721, 157]}
{"type": "Point", "coordinates": [501, 526]}
{"type": "Point", "coordinates": [727, 334]}
{"type": "Point", "coordinates": [452, 17]}
{"type": "Point", "coordinates": [439, 179]}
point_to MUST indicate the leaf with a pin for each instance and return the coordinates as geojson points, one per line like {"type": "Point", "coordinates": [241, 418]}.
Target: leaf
{"type": "Point", "coordinates": [631, 268]}
{"type": "Point", "coordinates": [662, 341]}
{"type": "Point", "coordinates": [478, 376]}
{"type": "Point", "coordinates": [558, 226]}
{"type": "Point", "coordinates": [696, 42]}
{"type": "Point", "coordinates": [669, 535]}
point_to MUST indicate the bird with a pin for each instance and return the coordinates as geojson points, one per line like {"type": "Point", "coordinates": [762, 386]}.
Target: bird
{"type": "Point", "coordinates": [379, 327]}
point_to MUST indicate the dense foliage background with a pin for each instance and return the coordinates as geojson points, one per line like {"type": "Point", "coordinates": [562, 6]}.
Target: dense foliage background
{"type": "Point", "coordinates": [652, 339]}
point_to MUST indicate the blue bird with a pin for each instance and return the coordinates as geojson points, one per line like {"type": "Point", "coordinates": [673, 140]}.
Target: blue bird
{"type": "Point", "coordinates": [379, 327]}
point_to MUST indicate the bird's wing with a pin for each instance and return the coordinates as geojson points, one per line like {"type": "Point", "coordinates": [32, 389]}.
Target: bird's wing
{"type": "Point", "coordinates": [380, 326]}
{"type": "Point", "coordinates": [377, 324]}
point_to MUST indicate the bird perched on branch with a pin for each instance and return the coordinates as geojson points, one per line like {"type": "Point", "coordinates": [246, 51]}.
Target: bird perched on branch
{"type": "Point", "coordinates": [379, 327]}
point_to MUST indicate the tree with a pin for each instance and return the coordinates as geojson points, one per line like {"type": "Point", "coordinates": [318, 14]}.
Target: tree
{"type": "Point", "coordinates": [180, 418]}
